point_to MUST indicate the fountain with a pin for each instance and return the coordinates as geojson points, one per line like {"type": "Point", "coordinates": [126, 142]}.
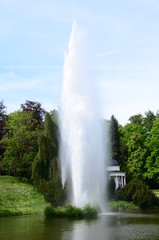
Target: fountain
{"type": "Point", "coordinates": [82, 150]}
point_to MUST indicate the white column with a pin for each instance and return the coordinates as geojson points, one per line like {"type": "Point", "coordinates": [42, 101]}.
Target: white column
{"type": "Point", "coordinates": [124, 180]}
{"type": "Point", "coordinates": [116, 182]}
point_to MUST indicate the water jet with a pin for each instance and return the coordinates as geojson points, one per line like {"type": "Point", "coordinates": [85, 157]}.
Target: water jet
{"type": "Point", "coordinates": [82, 149]}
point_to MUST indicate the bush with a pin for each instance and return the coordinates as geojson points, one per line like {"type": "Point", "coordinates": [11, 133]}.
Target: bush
{"type": "Point", "coordinates": [90, 212]}
{"type": "Point", "coordinates": [123, 206]}
{"type": "Point", "coordinates": [50, 212]}
{"type": "Point", "coordinates": [72, 212]}
{"type": "Point", "coordinates": [8, 213]}
{"type": "Point", "coordinates": [139, 193]}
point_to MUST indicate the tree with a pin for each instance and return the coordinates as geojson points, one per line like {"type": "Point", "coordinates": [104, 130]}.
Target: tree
{"type": "Point", "coordinates": [149, 119]}
{"type": "Point", "coordinates": [3, 118]}
{"type": "Point", "coordinates": [20, 144]}
{"type": "Point", "coordinates": [38, 112]}
{"type": "Point", "coordinates": [123, 147]}
{"type": "Point", "coordinates": [54, 116]}
{"type": "Point", "coordinates": [137, 151]}
{"type": "Point", "coordinates": [136, 119]}
{"type": "Point", "coordinates": [152, 161]}
{"type": "Point", "coordinates": [115, 147]}
{"type": "Point", "coordinates": [46, 170]}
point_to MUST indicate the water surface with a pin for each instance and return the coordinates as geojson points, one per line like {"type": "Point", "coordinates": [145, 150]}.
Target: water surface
{"type": "Point", "coordinates": [107, 227]}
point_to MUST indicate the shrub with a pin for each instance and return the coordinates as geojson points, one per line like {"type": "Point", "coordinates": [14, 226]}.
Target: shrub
{"type": "Point", "coordinates": [50, 212]}
{"type": "Point", "coordinates": [90, 212]}
{"type": "Point", "coordinates": [8, 213]}
{"type": "Point", "coordinates": [72, 212]}
{"type": "Point", "coordinates": [124, 206]}
{"type": "Point", "coordinates": [139, 193]}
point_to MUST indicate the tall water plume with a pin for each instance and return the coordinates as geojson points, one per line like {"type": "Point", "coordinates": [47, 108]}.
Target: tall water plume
{"type": "Point", "coordinates": [82, 151]}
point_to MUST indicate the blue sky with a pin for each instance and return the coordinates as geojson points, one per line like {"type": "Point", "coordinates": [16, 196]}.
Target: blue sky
{"type": "Point", "coordinates": [124, 38]}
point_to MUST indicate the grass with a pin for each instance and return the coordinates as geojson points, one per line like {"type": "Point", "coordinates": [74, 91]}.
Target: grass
{"type": "Point", "coordinates": [72, 212]}
{"type": "Point", "coordinates": [18, 198]}
{"type": "Point", "coordinates": [123, 206]}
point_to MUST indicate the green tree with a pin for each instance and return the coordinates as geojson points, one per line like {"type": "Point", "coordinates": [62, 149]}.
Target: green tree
{"type": "Point", "coordinates": [115, 145]}
{"type": "Point", "coordinates": [136, 119]}
{"type": "Point", "coordinates": [149, 119]}
{"type": "Point", "coordinates": [46, 170]}
{"type": "Point", "coordinates": [20, 144]}
{"type": "Point", "coordinates": [152, 161]}
{"type": "Point", "coordinates": [3, 117]}
{"type": "Point", "coordinates": [133, 150]}
{"type": "Point", "coordinates": [137, 151]}
{"type": "Point", "coordinates": [123, 148]}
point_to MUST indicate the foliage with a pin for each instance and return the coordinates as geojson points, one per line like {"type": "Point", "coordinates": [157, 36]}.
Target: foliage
{"type": "Point", "coordinates": [50, 212]}
{"type": "Point", "coordinates": [54, 116]}
{"type": "Point", "coordinates": [139, 141]}
{"type": "Point", "coordinates": [3, 118]}
{"type": "Point", "coordinates": [115, 147]}
{"type": "Point", "coordinates": [123, 206]}
{"type": "Point", "coordinates": [38, 112]}
{"type": "Point", "coordinates": [46, 173]}
{"type": "Point", "coordinates": [52, 190]}
{"type": "Point", "coordinates": [136, 119]}
{"type": "Point", "coordinates": [19, 198]}
{"type": "Point", "coordinates": [139, 193]}
{"type": "Point", "coordinates": [152, 161]}
{"type": "Point", "coordinates": [111, 189]}
{"type": "Point", "coordinates": [20, 144]}
{"type": "Point", "coordinates": [149, 118]}
{"type": "Point", "coordinates": [133, 139]}
{"type": "Point", "coordinates": [90, 211]}
{"type": "Point", "coordinates": [72, 212]}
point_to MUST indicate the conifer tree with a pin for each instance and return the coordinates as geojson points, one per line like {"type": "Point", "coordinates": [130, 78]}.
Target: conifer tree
{"type": "Point", "coordinates": [115, 146]}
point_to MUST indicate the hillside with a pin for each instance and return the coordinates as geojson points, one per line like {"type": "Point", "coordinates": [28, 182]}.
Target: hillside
{"type": "Point", "coordinates": [18, 198]}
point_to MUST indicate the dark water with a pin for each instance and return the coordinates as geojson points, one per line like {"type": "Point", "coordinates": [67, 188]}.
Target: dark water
{"type": "Point", "coordinates": [107, 227]}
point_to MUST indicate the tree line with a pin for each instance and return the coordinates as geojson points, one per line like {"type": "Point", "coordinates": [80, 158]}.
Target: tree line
{"type": "Point", "coordinates": [29, 147]}
{"type": "Point", "coordinates": [136, 147]}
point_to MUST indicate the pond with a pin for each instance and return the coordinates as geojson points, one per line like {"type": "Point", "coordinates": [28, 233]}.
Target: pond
{"type": "Point", "coordinates": [119, 226]}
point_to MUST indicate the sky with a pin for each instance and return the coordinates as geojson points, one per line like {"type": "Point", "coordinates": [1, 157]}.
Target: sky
{"type": "Point", "coordinates": [124, 40]}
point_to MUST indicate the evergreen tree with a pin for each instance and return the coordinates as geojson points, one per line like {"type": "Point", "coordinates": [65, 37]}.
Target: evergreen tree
{"type": "Point", "coordinates": [115, 146]}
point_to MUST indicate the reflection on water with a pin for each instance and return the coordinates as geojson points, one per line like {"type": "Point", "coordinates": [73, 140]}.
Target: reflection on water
{"type": "Point", "coordinates": [107, 227]}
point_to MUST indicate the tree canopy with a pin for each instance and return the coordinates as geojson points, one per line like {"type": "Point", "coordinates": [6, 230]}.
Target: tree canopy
{"type": "Point", "coordinates": [20, 144]}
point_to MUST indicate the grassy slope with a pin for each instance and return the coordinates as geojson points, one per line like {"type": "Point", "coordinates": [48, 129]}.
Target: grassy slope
{"type": "Point", "coordinates": [18, 198]}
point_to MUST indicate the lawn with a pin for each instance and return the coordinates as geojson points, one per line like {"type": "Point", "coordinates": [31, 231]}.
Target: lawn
{"type": "Point", "coordinates": [19, 198]}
